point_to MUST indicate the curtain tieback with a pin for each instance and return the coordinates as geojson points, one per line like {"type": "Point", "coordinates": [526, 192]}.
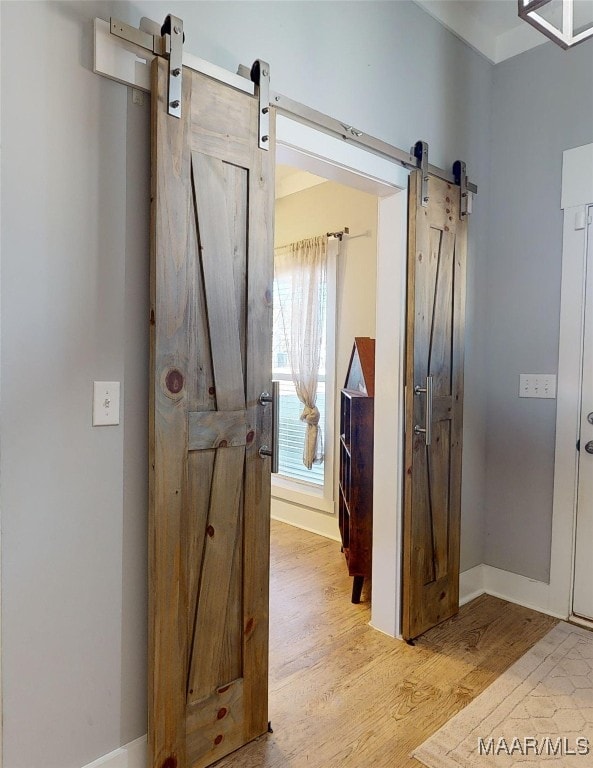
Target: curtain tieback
{"type": "Point", "coordinates": [310, 415]}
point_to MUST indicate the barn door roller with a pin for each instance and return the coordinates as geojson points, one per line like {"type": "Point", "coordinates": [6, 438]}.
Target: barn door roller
{"type": "Point", "coordinates": [420, 152]}
{"type": "Point", "coordinates": [465, 195]}
{"type": "Point", "coordinates": [260, 75]}
{"type": "Point", "coordinates": [172, 31]}
{"type": "Point", "coordinates": [169, 43]}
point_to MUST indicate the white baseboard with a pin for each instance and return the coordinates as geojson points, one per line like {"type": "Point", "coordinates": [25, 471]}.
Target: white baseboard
{"type": "Point", "coordinates": [137, 753]}
{"type": "Point", "coordinates": [471, 584]}
{"type": "Point", "coordinates": [508, 586]}
{"type": "Point", "coordinates": [308, 520]}
{"type": "Point", "coordinates": [133, 755]}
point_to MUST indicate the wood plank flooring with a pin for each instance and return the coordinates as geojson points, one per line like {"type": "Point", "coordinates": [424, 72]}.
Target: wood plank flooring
{"type": "Point", "coordinates": [342, 695]}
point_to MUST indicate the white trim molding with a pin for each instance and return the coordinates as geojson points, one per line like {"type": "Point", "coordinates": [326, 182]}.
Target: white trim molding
{"type": "Point", "coordinates": [133, 755]}
{"type": "Point", "coordinates": [572, 307]}
{"type": "Point", "coordinates": [319, 523]}
{"type": "Point", "coordinates": [388, 452]}
{"type": "Point", "coordinates": [477, 31]}
{"type": "Point", "coordinates": [577, 177]}
{"type": "Point", "coordinates": [577, 194]}
{"type": "Point", "coordinates": [471, 584]}
{"type": "Point", "coordinates": [485, 579]}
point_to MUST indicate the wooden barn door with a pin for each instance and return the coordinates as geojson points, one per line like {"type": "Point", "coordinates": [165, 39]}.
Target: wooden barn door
{"type": "Point", "coordinates": [212, 219]}
{"type": "Point", "coordinates": [434, 406]}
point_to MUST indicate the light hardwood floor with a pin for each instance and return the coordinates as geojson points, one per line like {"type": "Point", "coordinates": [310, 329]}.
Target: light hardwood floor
{"type": "Point", "coordinates": [342, 695]}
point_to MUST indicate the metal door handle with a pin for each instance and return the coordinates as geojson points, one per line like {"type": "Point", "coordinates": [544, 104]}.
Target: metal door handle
{"type": "Point", "coordinates": [264, 399]}
{"type": "Point", "coordinates": [427, 429]}
{"type": "Point", "coordinates": [589, 446]}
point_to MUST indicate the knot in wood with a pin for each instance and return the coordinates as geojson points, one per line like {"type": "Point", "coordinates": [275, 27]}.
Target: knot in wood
{"type": "Point", "coordinates": [174, 381]}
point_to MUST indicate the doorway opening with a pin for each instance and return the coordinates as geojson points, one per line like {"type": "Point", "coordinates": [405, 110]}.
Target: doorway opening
{"type": "Point", "coordinates": [338, 273]}
{"type": "Point", "coordinates": [307, 206]}
{"type": "Point", "coordinates": [364, 194]}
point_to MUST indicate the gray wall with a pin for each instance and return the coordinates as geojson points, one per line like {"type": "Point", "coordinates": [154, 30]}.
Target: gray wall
{"type": "Point", "coordinates": [75, 204]}
{"type": "Point", "coordinates": [542, 104]}
{"type": "Point", "coordinates": [74, 309]}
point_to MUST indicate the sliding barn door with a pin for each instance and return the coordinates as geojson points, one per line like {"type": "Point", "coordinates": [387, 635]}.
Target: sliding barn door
{"type": "Point", "coordinates": [434, 406]}
{"type": "Point", "coordinates": [212, 219]}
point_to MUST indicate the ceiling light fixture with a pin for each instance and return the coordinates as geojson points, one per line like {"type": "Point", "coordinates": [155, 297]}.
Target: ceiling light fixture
{"type": "Point", "coordinates": [566, 22]}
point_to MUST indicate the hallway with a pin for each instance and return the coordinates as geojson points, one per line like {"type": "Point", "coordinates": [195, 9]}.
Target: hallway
{"type": "Point", "coordinates": [342, 695]}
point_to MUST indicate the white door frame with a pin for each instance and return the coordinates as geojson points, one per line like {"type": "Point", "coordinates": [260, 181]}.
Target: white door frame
{"type": "Point", "coordinates": [582, 573]}
{"type": "Point", "coordinates": [577, 195]}
{"type": "Point", "coordinates": [317, 152]}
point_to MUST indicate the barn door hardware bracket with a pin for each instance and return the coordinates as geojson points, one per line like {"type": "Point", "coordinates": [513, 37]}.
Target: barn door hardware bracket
{"type": "Point", "coordinates": [420, 152]}
{"type": "Point", "coordinates": [169, 44]}
{"type": "Point", "coordinates": [172, 32]}
{"type": "Point", "coordinates": [465, 195]}
{"type": "Point", "coordinates": [260, 75]}
{"type": "Point", "coordinates": [138, 37]}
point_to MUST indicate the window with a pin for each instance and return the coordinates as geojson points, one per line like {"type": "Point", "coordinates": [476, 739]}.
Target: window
{"type": "Point", "coordinates": [319, 479]}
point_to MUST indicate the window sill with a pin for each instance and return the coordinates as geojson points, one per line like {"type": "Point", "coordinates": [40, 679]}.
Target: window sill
{"type": "Point", "coordinates": [301, 494]}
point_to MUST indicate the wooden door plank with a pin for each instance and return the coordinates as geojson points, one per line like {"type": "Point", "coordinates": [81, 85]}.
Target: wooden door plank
{"type": "Point", "coordinates": [440, 361]}
{"type": "Point", "coordinates": [440, 366]}
{"type": "Point", "coordinates": [170, 280]}
{"type": "Point", "coordinates": [459, 299]}
{"type": "Point", "coordinates": [222, 123]}
{"type": "Point", "coordinates": [237, 192]}
{"type": "Point", "coordinates": [257, 483]}
{"type": "Point", "coordinates": [423, 538]}
{"type": "Point", "coordinates": [439, 458]}
{"type": "Point", "coordinates": [215, 726]}
{"type": "Point", "coordinates": [224, 524]}
{"type": "Point", "coordinates": [216, 429]}
{"type": "Point", "coordinates": [231, 652]}
{"type": "Point", "coordinates": [408, 539]}
{"type": "Point", "coordinates": [200, 390]}
{"type": "Point", "coordinates": [200, 470]}
{"type": "Point", "coordinates": [217, 266]}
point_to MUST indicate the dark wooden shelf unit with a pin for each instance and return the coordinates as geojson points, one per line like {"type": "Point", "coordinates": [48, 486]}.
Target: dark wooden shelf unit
{"type": "Point", "coordinates": [356, 464]}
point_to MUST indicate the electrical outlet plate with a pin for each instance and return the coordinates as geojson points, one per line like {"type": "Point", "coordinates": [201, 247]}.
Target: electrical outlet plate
{"type": "Point", "coordinates": [105, 403]}
{"type": "Point", "coordinates": [541, 385]}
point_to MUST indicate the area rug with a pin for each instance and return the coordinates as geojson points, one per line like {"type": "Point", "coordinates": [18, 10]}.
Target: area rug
{"type": "Point", "coordinates": [539, 712]}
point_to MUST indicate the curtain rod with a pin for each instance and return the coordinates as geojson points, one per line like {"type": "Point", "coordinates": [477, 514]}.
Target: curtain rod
{"type": "Point", "coordinates": [338, 235]}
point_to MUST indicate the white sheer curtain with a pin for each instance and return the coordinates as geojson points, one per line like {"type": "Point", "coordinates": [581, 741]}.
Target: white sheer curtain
{"type": "Point", "coordinates": [302, 311]}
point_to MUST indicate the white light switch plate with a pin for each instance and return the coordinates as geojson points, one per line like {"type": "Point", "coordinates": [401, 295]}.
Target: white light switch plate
{"type": "Point", "coordinates": [105, 403]}
{"type": "Point", "coordinates": [537, 385]}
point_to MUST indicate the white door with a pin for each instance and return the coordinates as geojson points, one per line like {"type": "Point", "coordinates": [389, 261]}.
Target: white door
{"type": "Point", "coordinates": [583, 577]}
